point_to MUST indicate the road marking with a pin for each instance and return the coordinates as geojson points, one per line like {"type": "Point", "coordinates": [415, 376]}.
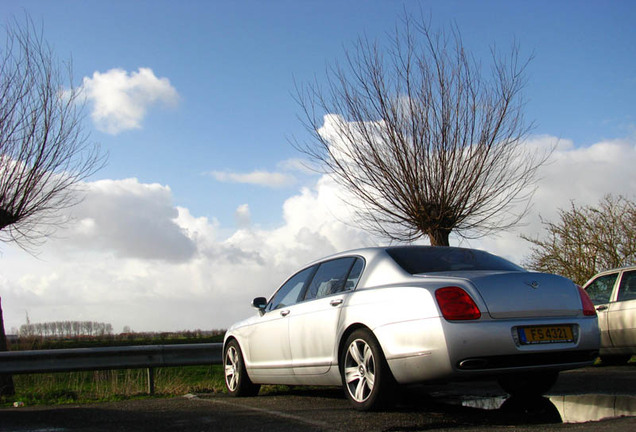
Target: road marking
{"type": "Point", "coordinates": [316, 423]}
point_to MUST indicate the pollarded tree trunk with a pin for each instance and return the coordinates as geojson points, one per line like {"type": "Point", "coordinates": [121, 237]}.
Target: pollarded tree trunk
{"type": "Point", "coordinates": [6, 381]}
{"type": "Point", "coordinates": [439, 237]}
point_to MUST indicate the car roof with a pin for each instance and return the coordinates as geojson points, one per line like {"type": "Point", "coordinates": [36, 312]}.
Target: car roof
{"type": "Point", "coordinates": [372, 251]}
{"type": "Point", "coordinates": [610, 271]}
{"type": "Point", "coordinates": [375, 249]}
{"type": "Point", "coordinates": [615, 270]}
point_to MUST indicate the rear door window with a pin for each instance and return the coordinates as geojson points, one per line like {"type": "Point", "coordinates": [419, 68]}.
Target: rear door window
{"type": "Point", "coordinates": [354, 275]}
{"type": "Point", "coordinates": [600, 289]}
{"type": "Point", "coordinates": [627, 289]}
{"type": "Point", "coordinates": [332, 277]}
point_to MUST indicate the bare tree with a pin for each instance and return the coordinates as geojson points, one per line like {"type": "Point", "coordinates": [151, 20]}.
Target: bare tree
{"type": "Point", "coordinates": [44, 153]}
{"type": "Point", "coordinates": [586, 240]}
{"type": "Point", "coordinates": [426, 140]}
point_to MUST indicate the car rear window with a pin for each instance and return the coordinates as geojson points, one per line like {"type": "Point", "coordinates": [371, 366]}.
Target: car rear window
{"type": "Point", "coordinates": [429, 259]}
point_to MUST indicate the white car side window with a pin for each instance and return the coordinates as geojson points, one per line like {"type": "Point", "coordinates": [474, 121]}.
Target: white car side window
{"type": "Point", "coordinates": [627, 290]}
{"type": "Point", "coordinates": [600, 290]}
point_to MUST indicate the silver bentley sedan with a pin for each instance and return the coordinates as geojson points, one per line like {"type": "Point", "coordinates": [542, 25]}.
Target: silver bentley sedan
{"type": "Point", "coordinates": [377, 318]}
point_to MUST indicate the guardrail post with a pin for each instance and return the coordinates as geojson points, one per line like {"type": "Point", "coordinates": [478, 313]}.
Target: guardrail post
{"type": "Point", "coordinates": [151, 381]}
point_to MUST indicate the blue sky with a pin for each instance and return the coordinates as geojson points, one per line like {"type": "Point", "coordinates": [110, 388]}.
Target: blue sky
{"type": "Point", "coordinates": [205, 131]}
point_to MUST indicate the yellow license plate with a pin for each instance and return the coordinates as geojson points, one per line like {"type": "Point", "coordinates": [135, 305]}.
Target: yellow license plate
{"type": "Point", "coordinates": [545, 334]}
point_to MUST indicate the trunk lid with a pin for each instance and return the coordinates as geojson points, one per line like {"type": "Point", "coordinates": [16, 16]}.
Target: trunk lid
{"type": "Point", "coordinates": [524, 294]}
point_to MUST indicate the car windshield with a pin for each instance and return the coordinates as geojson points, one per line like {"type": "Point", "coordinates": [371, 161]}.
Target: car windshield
{"type": "Point", "coordinates": [428, 259]}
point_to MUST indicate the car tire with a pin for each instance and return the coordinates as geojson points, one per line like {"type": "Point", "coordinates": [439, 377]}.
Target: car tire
{"type": "Point", "coordinates": [528, 384]}
{"type": "Point", "coordinates": [615, 360]}
{"type": "Point", "coordinates": [237, 381]}
{"type": "Point", "coordinates": [366, 377]}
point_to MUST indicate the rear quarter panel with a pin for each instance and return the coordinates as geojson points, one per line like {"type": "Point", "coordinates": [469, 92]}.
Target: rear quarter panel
{"type": "Point", "coordinates": [406, 322]}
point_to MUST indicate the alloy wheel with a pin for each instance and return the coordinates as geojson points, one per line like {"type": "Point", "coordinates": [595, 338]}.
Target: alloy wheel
{"type": "Point", "coordinates": [359, 370]}
{"type": "Point", "coordinates": [232, 368]}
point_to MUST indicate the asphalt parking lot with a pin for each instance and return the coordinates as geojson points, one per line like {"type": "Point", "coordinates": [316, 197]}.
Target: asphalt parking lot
{"type": "Point", "coordinates": [478, 406]}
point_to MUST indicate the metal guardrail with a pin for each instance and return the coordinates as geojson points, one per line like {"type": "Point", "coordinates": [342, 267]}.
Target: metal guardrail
{"type": "Point", "coordinates": [121, 357]}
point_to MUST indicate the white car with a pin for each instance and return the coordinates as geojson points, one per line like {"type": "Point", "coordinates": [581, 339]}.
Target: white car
{"type": "Point", "coordinates": [613, 292]}
{"type": "Point", "coordinates": [372, 319]}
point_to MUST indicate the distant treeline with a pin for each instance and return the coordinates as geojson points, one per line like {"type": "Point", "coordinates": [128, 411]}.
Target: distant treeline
{"type": "Point", "coordinates": [66, 329]}
{"type": "Point", "coordinates": [178, 335]}
{"type": "Point", "coordinates": [34, 336]}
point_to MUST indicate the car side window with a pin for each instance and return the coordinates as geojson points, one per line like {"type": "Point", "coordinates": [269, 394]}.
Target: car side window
{"type": "Point", "coordinates": [354, 275]}
{"type": "Point", "coordinates": [627, 289]}
{"type": "Point", "coordinates": [330, 278]}
{"type": "Point", "coordinates": [600, 290]}
{"type": "Point", "coordinates": [289, 293]}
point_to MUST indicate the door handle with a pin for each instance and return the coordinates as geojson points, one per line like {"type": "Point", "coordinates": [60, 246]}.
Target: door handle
{"type": "Point", "coordinates": [601, 308]}
{"type": "Point", "coordinates": [284, 313]}
{"type": "Point", "coordinates": [336, 302]}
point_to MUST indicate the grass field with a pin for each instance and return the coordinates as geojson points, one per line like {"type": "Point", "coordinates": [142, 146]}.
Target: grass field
{"type": "Point", "coordinates": [83, 387]}
{"type": "Point", "coordinates": [111, 385]}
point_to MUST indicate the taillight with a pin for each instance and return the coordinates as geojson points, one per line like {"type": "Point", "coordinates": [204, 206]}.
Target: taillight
{"type": "Point", "coordinates": [588, 306]}
{"type": "Point", "coordinates": [456, 304]}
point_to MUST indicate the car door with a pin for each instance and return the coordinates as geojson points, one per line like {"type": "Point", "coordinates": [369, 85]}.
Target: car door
{"type": "Point", "coordinates": [622, 313]}
{"type": "Point", "coordinates": [314, 322]}
{"type": "Point", "coordinates": [268, 350]}
{"type": "Point", "coordinates": [600, 291]}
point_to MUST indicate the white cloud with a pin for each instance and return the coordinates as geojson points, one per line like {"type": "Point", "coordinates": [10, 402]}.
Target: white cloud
{"type": "Point", "coordinates": [130, 219]}
{"type": "Point", "coordinates": [135, 259]}
{"type": "Point", "coordinates": [585, 174]}
{"type": "Point", "coordinates": [580, 175]}
{"type": "Point", "coordinates": [302, 166]}
{"type": "Point", "coordinates": [259, 178]}
{"type": "Point", "coordinates": [243, 216]}
{"type": "Point", "coordinates": [132, 258]}
{"type": "Point", "coordinates": [120, 100]}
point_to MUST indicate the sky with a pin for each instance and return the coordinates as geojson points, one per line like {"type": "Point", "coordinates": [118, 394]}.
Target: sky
{"type": "Point", "coordinates": [205, 204]}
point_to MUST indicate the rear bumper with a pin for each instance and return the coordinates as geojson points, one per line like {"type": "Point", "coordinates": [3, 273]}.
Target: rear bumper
{"type": "Point", "coordinates": [435, 349]}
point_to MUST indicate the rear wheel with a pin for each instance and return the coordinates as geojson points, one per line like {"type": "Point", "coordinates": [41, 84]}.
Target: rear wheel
{"type": "Point", "coordinates": [528, 384]}
{"type": "Point", "coordinates": [366, 378]}
{"type": "Point", "coordinates": [236, 380]}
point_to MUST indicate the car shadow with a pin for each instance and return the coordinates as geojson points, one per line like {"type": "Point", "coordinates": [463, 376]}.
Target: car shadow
{"type": "Point", "coordinates": [497, 409]}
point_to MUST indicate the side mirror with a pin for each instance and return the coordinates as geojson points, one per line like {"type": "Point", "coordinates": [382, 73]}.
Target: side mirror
{"type": "Point", "coordinates": [259, 303]}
